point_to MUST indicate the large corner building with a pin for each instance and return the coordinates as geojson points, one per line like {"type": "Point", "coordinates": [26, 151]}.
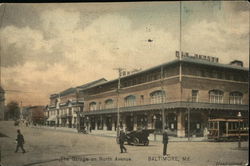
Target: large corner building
{"type": "Point", "coordinates": [184, 92]}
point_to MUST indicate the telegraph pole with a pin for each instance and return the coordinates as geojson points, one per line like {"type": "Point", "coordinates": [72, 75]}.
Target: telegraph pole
{"type": "Point", "coordinates": [118, 107]}
{"type": "Point", "coordinates": [162, 100]}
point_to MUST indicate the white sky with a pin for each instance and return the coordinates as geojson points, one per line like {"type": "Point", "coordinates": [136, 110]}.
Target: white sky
{"type": "Point", "coordinates": [46, 48]}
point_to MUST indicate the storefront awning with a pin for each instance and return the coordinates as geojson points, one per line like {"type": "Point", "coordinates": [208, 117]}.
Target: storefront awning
{"type": "Point", "coordinates": [173, 105]}
{"type": "Point", "coordinates": [52, 118]}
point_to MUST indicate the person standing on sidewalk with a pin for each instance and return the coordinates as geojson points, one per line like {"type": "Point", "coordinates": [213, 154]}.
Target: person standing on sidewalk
{"type": "Point", "coordinates": [121, 141]}
{"type": "Point", "coordinates": [165, 142]}
{"type": "Point", "coordinates": [20, 141]}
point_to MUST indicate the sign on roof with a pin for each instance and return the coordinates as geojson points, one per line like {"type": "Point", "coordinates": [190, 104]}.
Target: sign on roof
{"type": "Point", "coordinates": [196, 56]}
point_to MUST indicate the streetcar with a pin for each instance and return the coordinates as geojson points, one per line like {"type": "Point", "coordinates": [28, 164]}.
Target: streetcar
{"type": "Point", "coordinates": [228, 129]}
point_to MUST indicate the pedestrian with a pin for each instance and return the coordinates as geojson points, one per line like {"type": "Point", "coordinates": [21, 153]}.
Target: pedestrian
{"type": "Point", "coordinates": [20, 141]}
{"type": "Point", "coordinates": [121, 141]}
{"type": "Point", "coordinates": [165, 142]}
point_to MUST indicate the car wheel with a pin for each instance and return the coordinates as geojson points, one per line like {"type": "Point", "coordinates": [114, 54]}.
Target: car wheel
{"type": "Point", "coordinates": [136, 141]}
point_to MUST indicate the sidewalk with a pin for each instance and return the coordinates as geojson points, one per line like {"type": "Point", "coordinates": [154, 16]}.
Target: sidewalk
{"type": "Point", "coordinates": [157, 138]}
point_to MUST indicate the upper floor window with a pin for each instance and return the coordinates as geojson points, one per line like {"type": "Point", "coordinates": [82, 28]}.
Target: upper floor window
{"type": "Point", "coordinates": [195, 95]}
{"type": "Point", "coordinates": [130, 101]}
{"type": "Point", "coordinates": [235, 98]}
{"type": "Point", "coordinates": [109, 103]}
{"type": "Point", "coordinates": [215, 96]}
{"type": "Point", "coordinates": [92, 106]}
{"type": "Point", "coordinates": [157, 97]}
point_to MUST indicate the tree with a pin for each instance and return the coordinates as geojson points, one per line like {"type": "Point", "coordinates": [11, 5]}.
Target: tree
{"type": "Point", "coordinates": [13, 110]}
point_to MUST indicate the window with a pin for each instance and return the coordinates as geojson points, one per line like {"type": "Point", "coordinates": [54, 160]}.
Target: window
{"type": "Point", "coordinates": [157, 97]}
{"type": "Point", "coordinates": [130, 101]}
{"type": "Point", "coordinates": [195, 95]}
{"type": "Point", "coordinates": [215, 96]}
{"type": "Point", "coordinates": [142, 99]}
{"type": "Point", "coordinates": [109, 104]}
{"type": "Point", "coordinates": [235, 98]}
{"type": "Point", "coordinates": [92, 106]}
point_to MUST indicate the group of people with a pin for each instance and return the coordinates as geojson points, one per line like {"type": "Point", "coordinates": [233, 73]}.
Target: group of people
{"type": "Point", "coordinates": [122, 138]}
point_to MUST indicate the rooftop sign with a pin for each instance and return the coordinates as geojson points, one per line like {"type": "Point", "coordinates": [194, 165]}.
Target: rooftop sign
{"type": "Point", "coordinates": [196, 56]}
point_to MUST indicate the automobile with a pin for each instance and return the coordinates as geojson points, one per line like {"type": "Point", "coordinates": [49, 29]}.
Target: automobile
{"type": "Point", "coordinates": [16, 123]}
{"type": "Point", "coordinates": [82, 129]}
{"type": "Point", "coordinates": [138, 137]}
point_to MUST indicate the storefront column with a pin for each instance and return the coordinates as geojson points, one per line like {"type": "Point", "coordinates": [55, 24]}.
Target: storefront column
{"type": "Point", "coordinates": [104, 123]}
{"type": "Point", "coordinates": [113, 123]}
{"type": "Point", "coordinates": [135, 122]}
{"type": "Point", "coordinates": [180, 124]}
{"type": "Point", "coordinates": [96, 127]}
{"type": "Point", "coordinates": [149, 121]}
{"type": "Point", "coordinates": [123, 118]}
{"type": "Point", "coordinates": [60, 122]}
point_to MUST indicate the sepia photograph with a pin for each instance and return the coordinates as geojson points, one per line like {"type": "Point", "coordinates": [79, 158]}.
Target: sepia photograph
{"type": "Point", "coordinates": [140, 83]}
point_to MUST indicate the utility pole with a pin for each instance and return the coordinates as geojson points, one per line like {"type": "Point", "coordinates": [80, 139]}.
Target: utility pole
{"type": "Point", "coordinates": [118, 107]}
{"type": "Point", "coordinates": [162, 100]}
{"type": "Point", "coordinates": [21, 111]}
{"type": "Point", "coordinates": [188, 119]}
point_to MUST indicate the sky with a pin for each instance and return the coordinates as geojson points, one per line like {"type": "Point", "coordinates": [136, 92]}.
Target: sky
{"type": "Point", "coordinates": [47, 48]}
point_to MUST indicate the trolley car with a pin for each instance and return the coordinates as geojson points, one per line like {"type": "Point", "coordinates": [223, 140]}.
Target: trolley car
{"type": "Point", "coordinates": [227, 129]}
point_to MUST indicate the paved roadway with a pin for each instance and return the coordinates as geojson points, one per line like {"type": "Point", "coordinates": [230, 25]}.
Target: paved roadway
{"type": "Point", "coordinates": [58, 148]}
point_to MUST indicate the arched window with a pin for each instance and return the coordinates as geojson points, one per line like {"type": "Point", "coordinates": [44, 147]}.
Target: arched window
{"type": "Point", "coordinates": [157, 97]}
{"type": "Point", "coordinates": [215, 96]}
{"type": "Point", "coordinates": [109, 103]}
{"type": "Point", "coordinates": [92, 106]}
{"type": "Point", "coordinates": [130, 101]}
{"type": "Point", "coordinates": [235, 98]}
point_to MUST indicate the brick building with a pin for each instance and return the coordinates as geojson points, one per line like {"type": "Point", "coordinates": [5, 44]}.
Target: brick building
{"type": "Point", "coordinates": [177, 94]}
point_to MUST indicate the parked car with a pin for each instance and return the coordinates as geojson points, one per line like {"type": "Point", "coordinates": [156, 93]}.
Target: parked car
{"type": "Point", "coordinates": [138, 137]}
{"type": "Point", "coordinates": [82, 129]}
{"type": "Point", "coordinates": [16, 123]}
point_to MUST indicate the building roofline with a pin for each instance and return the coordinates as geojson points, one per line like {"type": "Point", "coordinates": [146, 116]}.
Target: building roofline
{"type": "Point", "coordinates": [81, 87]}
{"type": "Point", "coordinates": [184, 59]}
{"type": "Point", "coordinates": [207, 63]}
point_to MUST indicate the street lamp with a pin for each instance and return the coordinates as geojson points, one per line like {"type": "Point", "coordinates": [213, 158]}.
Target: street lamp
{"type": "Point", "coordinates": [239, 116]}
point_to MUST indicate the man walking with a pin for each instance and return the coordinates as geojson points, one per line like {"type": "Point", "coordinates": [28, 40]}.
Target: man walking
{"type": "Point", "coordinates": [121, 141]}
{"type": "Point", "coordinates": [165, 142]}
{"type": "Point", "coordinates": [20, 141]}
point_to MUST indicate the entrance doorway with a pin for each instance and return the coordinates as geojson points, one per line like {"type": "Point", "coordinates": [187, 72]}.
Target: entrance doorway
{"type": "Point", "coordinates": [130, 123]}
{"type": "Point", "coordinates": [196, 125]}
{"type": "Point", "coordinates": [109, 123]}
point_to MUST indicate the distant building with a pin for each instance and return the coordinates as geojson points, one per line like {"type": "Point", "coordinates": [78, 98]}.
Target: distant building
{"type": "Point", "coordinates": [34, 114]}
{"type": "Point", "coordinates": [66, 107]}
{"type": "Point", "coordinates": [2, 103]}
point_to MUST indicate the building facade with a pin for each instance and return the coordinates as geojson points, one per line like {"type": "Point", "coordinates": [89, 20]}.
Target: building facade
{"type": "Point", "coordinates": [180, 96]}
{"type": "Point", "coordinates": [34, 114]}
{"type": "Point", "coordinates": [66, 107]}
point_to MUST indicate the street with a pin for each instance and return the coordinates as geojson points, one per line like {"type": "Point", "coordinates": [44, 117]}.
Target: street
{"type": "Point", "coordinates": [58, 148]}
